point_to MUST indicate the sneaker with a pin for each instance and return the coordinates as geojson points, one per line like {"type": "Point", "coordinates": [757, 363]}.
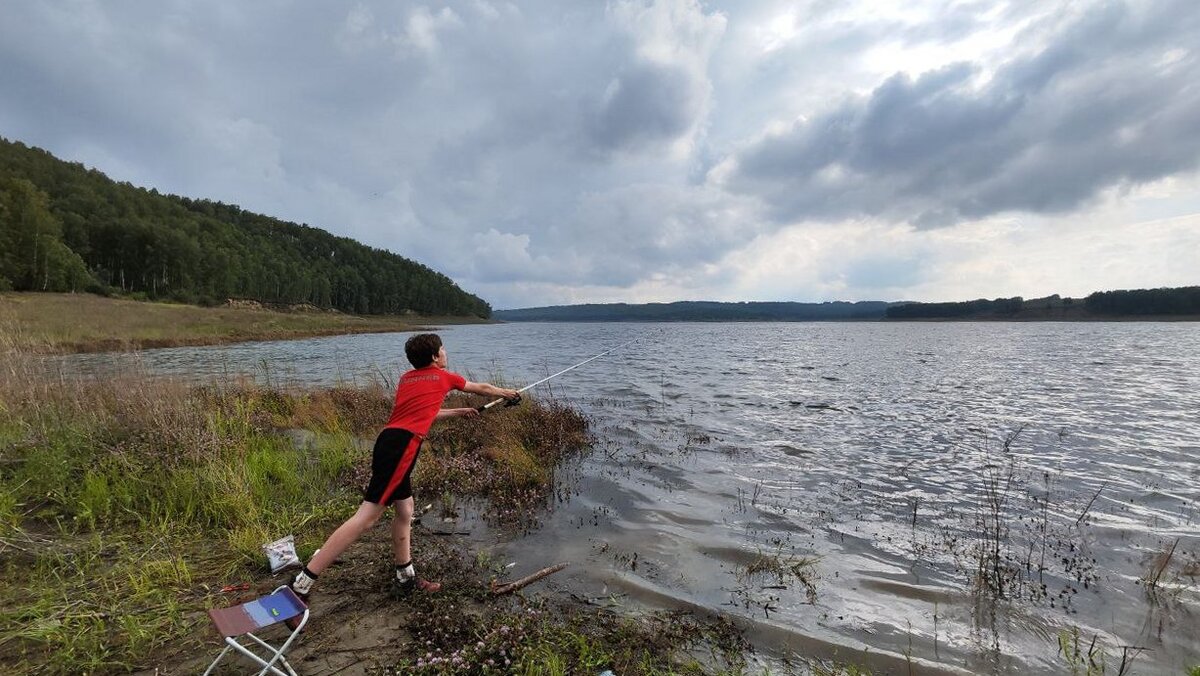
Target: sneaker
{"type": "Point", "coordinates": [302, 597]}
{"type": "Point", "coordinates": [414, 584]}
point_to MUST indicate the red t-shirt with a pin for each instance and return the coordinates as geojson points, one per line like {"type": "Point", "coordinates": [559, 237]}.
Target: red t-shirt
{"type": "Point", "coordinates": [419, 397]}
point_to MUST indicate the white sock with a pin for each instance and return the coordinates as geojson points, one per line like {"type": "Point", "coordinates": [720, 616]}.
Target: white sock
{"type": "Point", "coordinates": [303, 583]}
{"type": "Point", "coordinates": [405, 572]}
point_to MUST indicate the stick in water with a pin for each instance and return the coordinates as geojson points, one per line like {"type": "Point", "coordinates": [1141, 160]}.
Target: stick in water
{"type": "Point", "coordinates": [498, 589]}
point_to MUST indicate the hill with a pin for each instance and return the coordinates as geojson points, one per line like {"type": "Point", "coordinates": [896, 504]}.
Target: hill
{"type": "Point", "coordinates": [1175, 303]}
{"type": "Point", "coordinates": [1166, 303]}
{"type": "Point", "coordinates": [64, 227]}
{"type": "Point", "coordinates": [698, 311]}
{"type": "Point", "coordinates": [84, 322]}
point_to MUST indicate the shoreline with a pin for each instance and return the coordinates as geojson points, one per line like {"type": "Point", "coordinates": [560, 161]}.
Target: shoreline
{"type": "Point", "coordinates": [170, 503]}
{"type": "Point", "coordinates": [1149, 319]}
{"type": "Point", "coordinates": [62, 323]}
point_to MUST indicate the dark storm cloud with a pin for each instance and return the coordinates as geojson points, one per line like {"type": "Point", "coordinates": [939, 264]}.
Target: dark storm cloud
{"type": "Point", "coordinates": [648, 104]}
{"type": "Point", "coordinates": [1110, 100]}
{"type": "Point", "coordinates": [567, 146]}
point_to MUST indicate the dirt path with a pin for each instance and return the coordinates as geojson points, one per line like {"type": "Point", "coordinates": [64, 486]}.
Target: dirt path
{"type": "Point", "coordinates": [356, 626]}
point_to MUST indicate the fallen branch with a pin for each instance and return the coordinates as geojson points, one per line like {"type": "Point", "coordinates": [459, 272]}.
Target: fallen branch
{"type": "Point", "coordinates": [498, 589]}
{"type": "Point", "coordinates": [1160, 565]}
{"type": "Point", "coordinates": [1089, 504]}
{"type": "Point", "coordinates": [416, 517]}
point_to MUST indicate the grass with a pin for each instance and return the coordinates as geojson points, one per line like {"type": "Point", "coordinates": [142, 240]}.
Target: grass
{"type": "Point", "coordinates": [782, 569]}
{"type": "Point", "coordinates": [539, 638]}
{"type": "Point", "coordinates": [53, 322]}
{"type": "Point", "coordinates": [506, 457]}
{"type": "Point", "coordinates": [126, 504]}
{"type": "Point", "coordinates": [125, 501]}
{"type": "Point", "coordinates": [1091, 657]}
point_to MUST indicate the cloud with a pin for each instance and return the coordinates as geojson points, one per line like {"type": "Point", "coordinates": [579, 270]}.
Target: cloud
{"type": "Point", "coordinates": [646, 104]}
{"type": "Point", "coordinates": [643, 229]}
{"type": "Point", "coordinates": [663, 93]}
{"type": "Point", "coordinates": [540, 151]}
{"type": "Point", "coordinates": [1108, 99]}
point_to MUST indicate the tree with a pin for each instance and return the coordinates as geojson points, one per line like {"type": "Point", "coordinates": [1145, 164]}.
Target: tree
{"type": "Point", "coordinates": [32, 254]}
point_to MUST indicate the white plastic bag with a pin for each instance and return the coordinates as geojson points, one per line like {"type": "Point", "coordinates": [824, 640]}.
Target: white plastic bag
{"type": "Point", "coordinates": [282, 553]}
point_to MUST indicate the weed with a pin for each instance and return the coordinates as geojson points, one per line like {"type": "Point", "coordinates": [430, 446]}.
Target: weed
{"type": "Point", "coordinates": [537, 639]}
{"type": "Point", "coordinates": [123, 500]}
{"type": "Point", "coordinates": [1091, 658]}
{"type": "Point", "coordinates": [1014, 548]}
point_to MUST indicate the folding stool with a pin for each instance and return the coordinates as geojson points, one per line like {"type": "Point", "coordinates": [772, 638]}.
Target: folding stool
{"type": "Point", "coordinates": [241, 620]}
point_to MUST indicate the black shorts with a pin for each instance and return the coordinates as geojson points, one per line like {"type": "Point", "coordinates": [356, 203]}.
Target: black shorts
{"type": "Point", "coordinates": [392, 464]}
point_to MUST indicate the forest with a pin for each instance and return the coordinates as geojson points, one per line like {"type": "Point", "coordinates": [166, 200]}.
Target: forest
{"type": "Point", "coordinates": [698, 311]}
{"type": "Point", "coordinates": [1179, 301]}
{"type": "Point", "coordinates": [1165, 302]}
{"type": "Point", "coordinates": [972, 308]}
{"type": "Point", "coordinates": [64, 227]}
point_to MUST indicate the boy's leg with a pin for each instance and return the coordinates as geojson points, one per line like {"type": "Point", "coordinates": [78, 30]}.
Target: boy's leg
{"type": "Point", "coordinates": [345, 535]}
{"type": "Point", "coordinates": [406, 574]}
{"type": "Point", "coordinates": [402, 531]}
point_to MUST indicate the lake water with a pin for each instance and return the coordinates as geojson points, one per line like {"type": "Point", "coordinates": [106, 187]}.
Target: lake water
{"type": "Point", "coordinates": [1063, 459]}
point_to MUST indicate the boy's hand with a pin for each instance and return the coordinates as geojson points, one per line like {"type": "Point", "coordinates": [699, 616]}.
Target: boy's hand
{"type": "Point", "coordinates": [468, 413]}
{"type": "Point", "coordinates": [510, 394]}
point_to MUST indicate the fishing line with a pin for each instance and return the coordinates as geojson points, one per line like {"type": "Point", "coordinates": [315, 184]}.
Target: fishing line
{"type": "Point", "coordinates": [569, 368]}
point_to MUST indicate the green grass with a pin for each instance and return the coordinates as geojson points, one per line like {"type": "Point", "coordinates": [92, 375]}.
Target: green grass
{"type": "Point", "coordinates": [536, 639]}
{"type": "Point", "coordinates": [66, 322]}
{"type": "Point", "coordinates": [125, 503]}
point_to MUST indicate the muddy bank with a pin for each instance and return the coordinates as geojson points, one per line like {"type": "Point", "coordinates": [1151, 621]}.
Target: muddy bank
{"type": "Point", "coordinates": [130, 505]}
{"type": "Point", "coordinates": [359, 627]}
{"type": "Point", "coordinates": [63, 323]}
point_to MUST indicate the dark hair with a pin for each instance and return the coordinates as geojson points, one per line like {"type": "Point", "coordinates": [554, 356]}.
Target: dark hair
{"type": "Point", "coordinates": [422, 348]}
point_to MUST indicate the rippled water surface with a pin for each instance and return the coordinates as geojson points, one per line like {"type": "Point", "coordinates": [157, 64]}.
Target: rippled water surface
{"type": "Point", "coordinates": [1062, 459]}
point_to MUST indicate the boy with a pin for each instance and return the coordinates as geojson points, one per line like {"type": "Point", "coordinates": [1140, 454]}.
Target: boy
{"type": "Point", "coordinates": [419, 397]}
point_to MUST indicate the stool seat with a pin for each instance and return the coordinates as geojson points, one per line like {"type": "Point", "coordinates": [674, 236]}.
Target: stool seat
{"type": "Point", "coordinates": [246, 618]}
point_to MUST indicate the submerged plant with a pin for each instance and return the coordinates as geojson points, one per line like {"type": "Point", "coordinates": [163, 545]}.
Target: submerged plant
{"type": "Point", "coordinates": [1016, 544]}
{"type": "Point", "coordinates": [1091, 658]}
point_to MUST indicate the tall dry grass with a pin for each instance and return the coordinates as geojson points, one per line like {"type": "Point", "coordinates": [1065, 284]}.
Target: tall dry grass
{"type": "Point", "coordinates": [506, 456]}
{"type": "Point", "coordinates": [125, 501]}
{"type": "Point", "coordinates": [69, 322]}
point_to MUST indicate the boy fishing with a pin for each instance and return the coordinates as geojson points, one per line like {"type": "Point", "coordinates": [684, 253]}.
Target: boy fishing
{"type": "Point", "coordinates": [419, 397]}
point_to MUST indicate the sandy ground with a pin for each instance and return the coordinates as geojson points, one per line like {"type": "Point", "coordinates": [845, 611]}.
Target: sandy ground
{"type": "Point", "coordinates": [356, 626]}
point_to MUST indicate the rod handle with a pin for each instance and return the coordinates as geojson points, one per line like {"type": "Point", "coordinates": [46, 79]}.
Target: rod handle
{"type": "Point", "coordinates": [507, 402]}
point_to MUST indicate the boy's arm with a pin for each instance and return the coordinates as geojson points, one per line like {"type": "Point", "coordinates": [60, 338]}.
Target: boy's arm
{"type": "Point", "coordinates": [489, 390]}
{"type": "Point", "coordinates": [455, 413]}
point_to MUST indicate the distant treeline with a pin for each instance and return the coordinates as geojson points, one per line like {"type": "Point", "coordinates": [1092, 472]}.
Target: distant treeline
{"type": "Point", "coordinates": [1182, 301]}
{"type": "Point", "coordinates": [64, 227]}
{"type": "Point", "coordinates": [970, 308]}
{"type": "Point", "coordinates": [697, 311]}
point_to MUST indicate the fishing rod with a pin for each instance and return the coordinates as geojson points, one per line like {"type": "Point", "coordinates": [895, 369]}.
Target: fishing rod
{"type": "Point", "coordinates": [569, 368]}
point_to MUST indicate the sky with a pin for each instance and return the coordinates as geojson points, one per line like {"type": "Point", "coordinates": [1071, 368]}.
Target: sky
{"type": "Point", "coordinates": [569, 151]}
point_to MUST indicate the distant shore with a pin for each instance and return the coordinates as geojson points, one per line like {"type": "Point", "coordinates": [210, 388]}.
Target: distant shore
{"type": "Point", "coordinates": [79, 322]}
{"type": "Point", "coordinates": [1150, 305]}
{"type": "Point", "coordinates": [878, 320]}
{"type": "Point", "coordinates": [1026, 320]}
